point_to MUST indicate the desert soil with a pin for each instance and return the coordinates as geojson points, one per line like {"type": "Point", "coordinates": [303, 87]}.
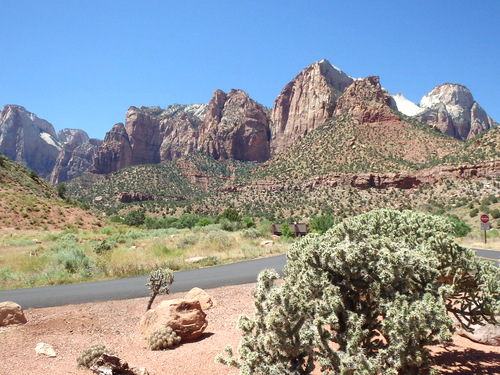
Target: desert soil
{"type": "Point", "coordinates": [70, 329]}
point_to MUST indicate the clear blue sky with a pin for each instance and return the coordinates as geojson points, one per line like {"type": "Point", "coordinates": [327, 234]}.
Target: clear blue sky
{"type": "Point", "coordinates": [81, 64]}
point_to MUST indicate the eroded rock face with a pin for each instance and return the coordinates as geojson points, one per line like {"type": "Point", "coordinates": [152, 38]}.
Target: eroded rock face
{"type": "Point", "coordinates": [236, 127]}
{"type": "Point", "coordinates": [76, 156]}
{"type": "Point", "coordinates": [185, 317]}
{"type": "Point", "coordinates": [306, 103]}
{"type": "Point", "coordinates": [401, 180]}
{"type": "Point", "coordinates": [11, 313]}
{"type": "Point", "coordinates": [150, 135]}
{"type": "Point", "coordinates": [28, 140]}
{"type": "Point", "coordinates": [452, 110]}
{"type": "Point", "coordinates": [114, 153]}
{"type": "Point", "coordinates": [366, 101]}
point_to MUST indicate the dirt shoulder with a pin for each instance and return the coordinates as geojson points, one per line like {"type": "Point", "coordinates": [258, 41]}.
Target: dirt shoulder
{"type": "Point", "coordinates": [70, 329]}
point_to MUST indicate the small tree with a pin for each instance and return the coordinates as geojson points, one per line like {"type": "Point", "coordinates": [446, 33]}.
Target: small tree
{"type": "Point", "coordinates": [159, 282]}
{"type": "Point", "coordinates": [366, 298]}
{"type": "Point", "coordinates": [134, 218]}
{"type": "Point", "coordinates": [320, 224]}
{"type": "Point", "coordinates": [61, 190]}
{"type": "Point", "coordinates": [231, 214]}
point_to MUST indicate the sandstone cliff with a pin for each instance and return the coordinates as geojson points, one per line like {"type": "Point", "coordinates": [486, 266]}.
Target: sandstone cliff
{"type": "Point", "coordinates": [401, 180]}
{"type": "Point", "coordinates": [151, 135]}
{"type": "Point", "coordinates": [235, 127]}
{"type": "Point", "coordinates": [367, 102]}
{"type": "Point", "coordinates": [306, 103]}
{"type": "Point", "coordinates": [114, 153]}
{"type": "Point", "coordinates": [28, 140]}
{"type": "Point", "coordinates": [75, 157]}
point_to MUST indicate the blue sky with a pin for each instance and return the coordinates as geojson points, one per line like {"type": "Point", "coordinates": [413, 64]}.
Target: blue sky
{"type": "Point", "coordinates": [81, 64]}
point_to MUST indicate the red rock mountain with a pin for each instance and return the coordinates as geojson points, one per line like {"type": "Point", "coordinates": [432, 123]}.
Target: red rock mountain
{"type": "Point", "coordinates": [231, 126]}
{"type": "Point", "coordinates": [235, 127]}
{"type": "Point", "coordinates": [366, 101]}
{"type": "Point", "coordinates": [76, 156]}
{"type": "Point", "coordinates": [306, 103]}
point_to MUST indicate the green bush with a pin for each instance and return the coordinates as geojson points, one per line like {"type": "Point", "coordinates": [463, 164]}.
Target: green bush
{"type": "Point", "coordinates": [460, 227]}
{"type": "Point", "coordinates": [286, 231]}
{"type": "Point", "coordinates": [230, 214]}
{"type": "Point", "coordinates": [105, 245]}
{"type": "Point", "coordinates": [366, 297]}
{"type": "Point", "coordinates": [495, 213]}
{"type": "Point", "coordinates": [134, 218]}
{"type": "Point", "coordinates": [320, 224]}
{"type": "Point", "coordinates": [473, 212]}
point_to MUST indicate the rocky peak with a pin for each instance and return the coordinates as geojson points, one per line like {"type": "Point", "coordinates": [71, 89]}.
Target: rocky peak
{"type": "Point", "coordinates": [72, 137]}
{"type": "Point", "coordinates": [452, 110]}
{"type": "Point", "coordinates": [236, 127]}
{"type": "Point", "coordinates": [306, 103]}
{"type": "Point", "coordinates": [114, 153]}
{"type": "Point", "coordinates": [27, 139]}
{"type": "Point", "coordinates": [367, 101]}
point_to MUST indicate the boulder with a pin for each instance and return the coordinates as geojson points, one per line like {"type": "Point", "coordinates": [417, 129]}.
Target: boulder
{"type": "Point", "coordinates": [194, 260]}
{"type": "Point", "coordinates": [45, 349]}
{"type": "Point", "coordinates": [205, 299]}
{"type": "Point", "coordinates": [487, 334]}
{"type": "Point", "coordinates": [11, 313]}
{"type": "Point", "coordinates": [267, 243]}
{"type": "Point", "coordinates": [185, 317]}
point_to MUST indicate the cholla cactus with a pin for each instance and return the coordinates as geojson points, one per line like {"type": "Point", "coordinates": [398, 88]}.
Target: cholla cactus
{"type": "Point", "coordinates": [163, 338]}
{"type": "Point", "coordinates": [91, 354]}
{"type": "Point", "coordinates": [159, 282]}
{"type": "Point", "coordinates": [378, 287]}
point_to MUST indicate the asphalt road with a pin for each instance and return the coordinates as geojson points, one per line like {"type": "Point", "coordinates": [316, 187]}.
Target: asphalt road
{"type": "Point", "coordinates": [134, 287]}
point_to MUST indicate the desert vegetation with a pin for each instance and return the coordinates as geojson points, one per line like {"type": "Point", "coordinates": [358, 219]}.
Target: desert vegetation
{"type": "Point", "coordinates": [366, 297]}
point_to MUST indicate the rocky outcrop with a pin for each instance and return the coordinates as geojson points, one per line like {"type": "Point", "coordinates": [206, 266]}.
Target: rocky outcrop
{"type": "Point", "coordinates": [236, 127]}
{"type": "Point", "coordinates": [306, 103]}
{"type": "Point", "coordinates": [28, 140]}
{"type": "Point", "coordinates": [150, 135]}
{"type": "Point", "coordinates": [185, 317]}
{"type": "Point", "coordinates": [451, 109]}
{"type": "Point", "coordinates": [11, 313]}
{"type": "Point", "coordinates": [76, 156]}
{"type": "Point", "coordinates": [366, 101]}
{"type": "Point", "coordinates": [401, 180]}
{"type": "Point", "coordinates": [115, 152]}
{"type": "Point", "coordinates": [157, 135]}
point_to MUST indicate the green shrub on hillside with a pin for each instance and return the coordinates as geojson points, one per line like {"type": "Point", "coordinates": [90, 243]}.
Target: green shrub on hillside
{"type": "Point", "coordinates": [460, 227]}
{"type": "Point", "coordinates": [366, 297]}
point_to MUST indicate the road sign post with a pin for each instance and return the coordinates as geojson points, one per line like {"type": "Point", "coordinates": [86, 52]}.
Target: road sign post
{"type": "Point", "coordinates": [485, 224]}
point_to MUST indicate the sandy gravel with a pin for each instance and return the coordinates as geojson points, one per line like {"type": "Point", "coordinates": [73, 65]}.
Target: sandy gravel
{"type": "Point", "coordinates": [72, 328]}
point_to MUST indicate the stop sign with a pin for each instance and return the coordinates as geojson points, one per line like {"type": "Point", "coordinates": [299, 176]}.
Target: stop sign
{"type": "Point", "coordinates": [485, 218]}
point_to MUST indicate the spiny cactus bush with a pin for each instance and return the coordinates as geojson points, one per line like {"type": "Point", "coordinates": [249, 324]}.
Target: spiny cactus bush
{"type": "Point", "coordinates": [366, 298]}
{"type": "Point", "coordinates": [163, 338]}
{"type": "Point", "coordinates": [91, 354]}
{"type": "Point", "coordinates": [159, 282]}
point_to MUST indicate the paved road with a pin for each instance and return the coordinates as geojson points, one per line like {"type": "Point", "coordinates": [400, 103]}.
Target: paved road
{"type": "Point", "coordinates": [491, 255]}
{"type": "Point", "coordinates": [134, 287]}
